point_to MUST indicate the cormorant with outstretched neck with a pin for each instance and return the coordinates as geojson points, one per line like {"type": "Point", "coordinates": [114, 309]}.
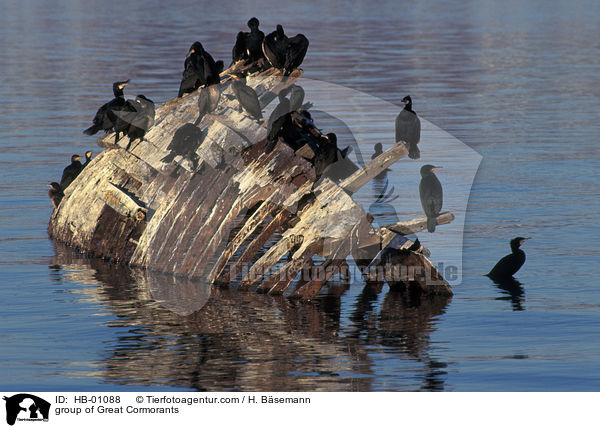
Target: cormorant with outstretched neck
{"type": "Point", "coordinates": [408, 128]}
{"type": "Point", "coordinates": [106, 115]}
{"type": "Point", "coordinates": [71, 172]}
{"type": "Point", "coordinates": [511, 263]}
{"type": "Point", "coordinates": [248, 45]}
{"type": "Point", "coordinates": [55, 193]}
{"type": "Point", "coordinates": [430, 190]}
{"type": "Point", "coordinates": [199, 69]}
{"type": "Point", "coordinates": [275, 46]}
{"type": "Point", "coordinates": [246, 96]}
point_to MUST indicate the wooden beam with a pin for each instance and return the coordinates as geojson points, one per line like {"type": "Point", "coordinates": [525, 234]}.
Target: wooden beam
{"type": "Point", "coordinates": [374, 168]}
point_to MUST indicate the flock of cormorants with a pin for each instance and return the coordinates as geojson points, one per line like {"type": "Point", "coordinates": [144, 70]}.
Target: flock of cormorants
{"type": "Point", "coordinates": [290, 121]}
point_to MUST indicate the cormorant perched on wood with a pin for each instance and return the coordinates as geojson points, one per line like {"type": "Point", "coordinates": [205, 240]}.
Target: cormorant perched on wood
{"type": "Point", "coordinates": [199, 69]}
{"type": "Point", "coordinates": [408, 128]}
{"type": "Point", "coordinates": [297, 98]}
{"type": "Point", "coordinates": [248, 45]}
{"type": "Point", "coordinates": [511, 263]}
{"type": "Point", "coordinates": [106, 115]}
{"type": "Point", "coordinates": [275, 46]}
{"type": "Point", "coordinates": [55, 193]}
{"type": "Point", "coordinates": [430, 190]}
{"type": "Point", "coordinates": [88, 158]}
{"type": "Point", "coordinates": [294, 53]}
{"type": "Point", "coordinates": [71, 172]}
{"type": "Point", "coordinates": [246, 96]}
{"type": "Point", "coordinates": [379, 151]}
{"type": "Point", "coordinates": [143, 119]}
{"type": "Point", "coordinates": [282, 108]}
{"type": "Point", "coordinates": [185, 142]}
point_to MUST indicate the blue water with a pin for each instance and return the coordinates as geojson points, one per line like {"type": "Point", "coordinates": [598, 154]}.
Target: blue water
{"type": "Point", "coordinates": [518, 83]}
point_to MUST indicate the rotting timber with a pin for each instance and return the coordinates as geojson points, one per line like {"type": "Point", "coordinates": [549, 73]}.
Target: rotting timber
{"type": "Point", "coordinates": [234, 209]}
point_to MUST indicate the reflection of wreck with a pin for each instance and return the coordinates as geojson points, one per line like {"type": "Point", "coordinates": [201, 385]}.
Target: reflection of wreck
{"type": "Point", "coordinates": [246, 341]}
{"type": "Point", "coordinates": [229, 209]}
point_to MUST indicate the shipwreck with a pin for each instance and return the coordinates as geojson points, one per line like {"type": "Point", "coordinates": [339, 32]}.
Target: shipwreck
{"type": "Point", "coordinates": [237, 208]}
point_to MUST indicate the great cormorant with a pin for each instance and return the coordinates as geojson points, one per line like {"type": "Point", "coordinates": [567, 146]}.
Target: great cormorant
{"type": "Point", "coordinates": [248, 45]}
{"type": "Point", "coordinates": [295, 53]}
{"type": "Point", "coordinates": [275, 46]}
{"type": "Point", "coordinates": [408, 128]}
{"type": "Point", "coordinates": [106, 115]}
{"type": "Point", "coordinates": [88, 158]}
{"type": "Point", "coordinates": [430, 190]}
{"type": "Point", "coordinates": [511, 263]}
{"type": "Point", "coordinates": [199, 69]}
{"type": "Point", "coordinates": [246, 96]}
{"type": "Point", "coordinates": [71, 172]}
{"type": "Point", "coordinates": [280, 110]}
{"type": "Point", "coordinates": [55, 193]}
{"type": "Point", "coordinates": [143, 119]}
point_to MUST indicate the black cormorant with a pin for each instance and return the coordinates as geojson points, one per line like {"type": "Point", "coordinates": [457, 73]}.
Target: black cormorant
{"type": "Point", "coordinates": [70, 172]}
{"type": "Point", "coordinates": [297, 98]}
{"type": "Point", "coordinates": [281, 109]}
{"type": "Point", "coordinates": [199, 69]}
{"type": "Point", "coordinates": [55, 193]}
{"type": "Point", "coordinates": [248, 45]}
{"type": "Point", "coordinates": [511, 263]}
{"type": "Point", "coordinates": [430, 190]}
{"type": "Point", "coordinates": [143, 119]}
{"type": "Point", "coordinates": [88, 158]}
{"type": "Point", "coordinates": [208, 100]}
{"type": "Point", "coordinates": [294, 53]}
{"type": "Point", "coordinates": [246, 96]}
{"type": "Point", "coordinates": [378, 151]}
{"type": "Point", "coordinates": [275, 47]}
{"type": "Point", "coordinates": [106, 115]}
{"type": "Point", "coordinates": [408, 128]}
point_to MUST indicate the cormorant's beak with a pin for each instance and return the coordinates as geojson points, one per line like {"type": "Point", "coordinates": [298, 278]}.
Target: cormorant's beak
{"type": "Point", "coordinates": [122, 85]}
{"type": "Point", "coordinates": [190, 52]}
{"type": "Point", "coordinates": [49, 185]}
{"type": "Point", "coordinates": [523, 240]}
{"type": "Point", "coordinates": [435, 168]}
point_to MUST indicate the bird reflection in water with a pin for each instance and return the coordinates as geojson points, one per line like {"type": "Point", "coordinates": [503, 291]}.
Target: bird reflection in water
{"type": "Point", "coordinates": [512, 290]}
{"type": "Point", "coordinates": [206, 338]}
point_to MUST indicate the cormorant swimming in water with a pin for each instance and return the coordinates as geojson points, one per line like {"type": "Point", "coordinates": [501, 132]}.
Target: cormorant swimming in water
{"type": "Point", "coordinates": [294, 53]}
{"type": "Point", "coordinates": [55, 193]}
{"type": "Point", "coordinates": [199, 69]}
{"type": "Point", "coordinates": [246, 96]}
{"type": "Point", "coordinates": [408, 128]}
{"type": "Point", "coordinates": [70, 172]}
{"type": "Point", "coordinates": [275, 47]}
{"type": "Point", "coordinates": [248, 45]}
{"type": "Point", "coordinates": [430, 190]}
{"type": "Point", "coordinates": [185, 142]}
{"type": "Point", "coordinates": [106, 115]}
{"type": "Point", "coordinates": [511, 263]}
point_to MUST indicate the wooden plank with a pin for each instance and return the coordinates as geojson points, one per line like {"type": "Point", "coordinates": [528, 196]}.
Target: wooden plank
{"type": "Point", "coordinates": [373, 168]}
{"type": "Point", "coordinates": [418, 224]}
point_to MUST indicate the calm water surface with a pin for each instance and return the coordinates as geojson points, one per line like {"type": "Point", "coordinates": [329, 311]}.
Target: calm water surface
{"type": "Point", "coordinates": [518, 83]}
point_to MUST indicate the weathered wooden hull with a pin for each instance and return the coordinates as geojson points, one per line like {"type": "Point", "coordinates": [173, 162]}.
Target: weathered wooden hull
{"type": "Point", "coordinates": [213, 211]}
